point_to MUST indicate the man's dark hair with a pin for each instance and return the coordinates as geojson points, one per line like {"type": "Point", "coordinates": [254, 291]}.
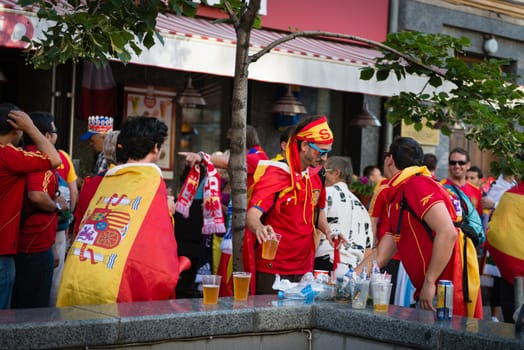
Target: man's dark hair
{"type": "Point", "coordinates": [406, 152]}
{"type": "Point", "coordinates": [368, 170]}
{"type": "Point", "coordinates": [477, 170]}
{"type": "Point", "coordinates": [459, 150]}
{"type": "Point", "coordinates": [43, 122]}
{"type": "Point", "coordinates": [252, 139]}
{"type": "Point", "coordinates": [284, 135]}
{"type": "Point", "coordinates": [138, 136]}
{"type": "Point", "coordinates": [303, 122]}
{"type": "Point", "coordinates": [430, 160]}
{"type": "Point", "coordinates": [5, 108]}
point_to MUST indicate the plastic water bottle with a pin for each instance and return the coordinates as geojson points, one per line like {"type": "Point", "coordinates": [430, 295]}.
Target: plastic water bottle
{"type": "Point", "coordinates": [364, 274]}
{"type": "Point", "coordinates": [299, 292]}
{"type": "Point", "coordinates": [375, 268]}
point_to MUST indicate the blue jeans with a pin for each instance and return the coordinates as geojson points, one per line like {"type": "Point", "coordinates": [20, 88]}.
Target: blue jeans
{"type": "Point", "coordinates": [34, 273]}
{"type": "Point", "coordinates": [7, 280]}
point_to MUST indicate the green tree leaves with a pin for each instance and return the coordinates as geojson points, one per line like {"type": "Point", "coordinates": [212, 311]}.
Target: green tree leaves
{"type": "Point", "coordinates": [99, 29]}
{"type": "Point", "coordinates": [482, 98]}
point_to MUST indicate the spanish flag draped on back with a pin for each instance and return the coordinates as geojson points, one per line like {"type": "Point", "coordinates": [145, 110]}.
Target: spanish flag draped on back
{"type": "Point", "coordinates": [125, 249]}
{"type": "Point", "coordinates": [506, 234]}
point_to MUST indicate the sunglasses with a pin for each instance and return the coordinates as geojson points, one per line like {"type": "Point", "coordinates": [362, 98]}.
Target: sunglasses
{"type": "Point", "coordinates": [459, 162]}
{"type": "Point", "coordinates": [321, 152]}
{"type": "Point", "coordinates": [386, 154]}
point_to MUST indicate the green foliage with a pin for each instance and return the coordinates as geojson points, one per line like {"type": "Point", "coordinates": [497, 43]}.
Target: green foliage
{"type": "Point", "coordinates": [98, 30]}
{"type": "Point", "coordinates": [479, 96]}
{"type": "Point", "coordinates": [361, 186]}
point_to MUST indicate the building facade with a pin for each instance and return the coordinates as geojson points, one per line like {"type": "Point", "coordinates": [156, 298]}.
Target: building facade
{"type": "Point", "coordinates": [323, 74]}
{"type": "Point", "coordinates": [495, 28]}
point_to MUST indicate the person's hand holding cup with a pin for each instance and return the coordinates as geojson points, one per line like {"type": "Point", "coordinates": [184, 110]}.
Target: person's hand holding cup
{"type": "Point", "coordinates": [270, 246]}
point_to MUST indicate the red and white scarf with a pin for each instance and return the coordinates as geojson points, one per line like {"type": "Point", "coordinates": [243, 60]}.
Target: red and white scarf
{"type": "Point", "coordinates": [211, 205]}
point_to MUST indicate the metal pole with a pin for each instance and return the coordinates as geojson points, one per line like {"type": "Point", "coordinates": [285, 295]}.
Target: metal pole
{"type": "Point", "coordinates": [392, 28]}
{"type": "Point", "coordinates": [53, 90]}
{"type": "Point", "coordinates": [519, 301]}
{"type": "Point", "coordinates": [519, 291]}
{"type": "Point", "coordinates": [72, 95]}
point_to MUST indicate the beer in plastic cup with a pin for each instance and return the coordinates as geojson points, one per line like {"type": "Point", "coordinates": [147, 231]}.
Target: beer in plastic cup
{"type": "Point", "coordinates": [378, 277]}
{"type": "Point", "coordinates": [210, 288]}
{"type": "Point", "coordinates": [381, 295]}
{"type": "Point", "coordinates": [241, 285]}
{"type": "Point", "coordinates": [269, 247]}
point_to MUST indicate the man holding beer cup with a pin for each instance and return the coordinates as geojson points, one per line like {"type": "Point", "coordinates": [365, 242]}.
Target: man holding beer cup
{"type": "Point", "coordinates": [282, 204]}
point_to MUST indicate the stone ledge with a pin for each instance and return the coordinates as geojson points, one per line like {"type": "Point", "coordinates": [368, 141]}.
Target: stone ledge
{"type": "Point", "coordinates": [144, 322]}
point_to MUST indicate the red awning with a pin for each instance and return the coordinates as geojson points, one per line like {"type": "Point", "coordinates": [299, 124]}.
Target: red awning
{"type": "Point", "coordinates": [199, 45]}
{"type": "Point", "coordinates": [307, 47]}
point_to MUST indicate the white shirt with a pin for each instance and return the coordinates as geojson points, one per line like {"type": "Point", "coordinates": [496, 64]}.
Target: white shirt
{"type": "Point", "coordinates": [346, 216]}
{"type": "Point", "coordinates": [498, 188]}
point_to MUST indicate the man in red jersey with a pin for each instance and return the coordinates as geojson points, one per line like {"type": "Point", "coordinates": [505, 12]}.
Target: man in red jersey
{"type": "Point", "coordinates": [15, 164]}
{"type": "Point", "coordinates": [283, 200]}
{"type": "Point", "coordinates": [459, 163]}
{"type": "Point", "coordinates": [34, 261]}
{"type": "Point", "coordinates": [429, 244]}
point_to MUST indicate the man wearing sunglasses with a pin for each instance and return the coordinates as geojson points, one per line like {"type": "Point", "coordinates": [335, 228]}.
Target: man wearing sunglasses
{"type": "Point", "coordinates": [459, 163]}
{"type": "Point", "coordinates": [285, 198]}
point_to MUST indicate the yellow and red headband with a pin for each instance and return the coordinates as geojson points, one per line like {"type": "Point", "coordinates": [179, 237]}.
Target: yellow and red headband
{"type": "Point", "coordinates": [317, 131]}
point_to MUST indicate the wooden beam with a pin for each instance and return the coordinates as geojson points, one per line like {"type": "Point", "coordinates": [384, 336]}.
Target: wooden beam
{"type": "Point", "coordinates": [513, 8]}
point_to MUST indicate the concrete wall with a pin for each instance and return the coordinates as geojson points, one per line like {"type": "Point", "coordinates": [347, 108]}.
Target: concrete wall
{"type": "Point", "coordinates": [290, 340]}
{"type": "Point", "coordinates": [262, 322]}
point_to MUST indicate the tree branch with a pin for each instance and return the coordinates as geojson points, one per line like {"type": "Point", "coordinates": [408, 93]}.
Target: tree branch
{"type": "Point", "coordinates": [232, 15]}
{"type": "Point", "coordinates": [316, 34]}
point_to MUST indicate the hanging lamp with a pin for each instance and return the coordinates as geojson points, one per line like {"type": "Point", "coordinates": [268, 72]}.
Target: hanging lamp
{"type": "Point", "coordinates": [288, 105]}
{"type": "Point", "coordinates": [365, 119]}
{"type": "Point", "coordinates": [190, 97]}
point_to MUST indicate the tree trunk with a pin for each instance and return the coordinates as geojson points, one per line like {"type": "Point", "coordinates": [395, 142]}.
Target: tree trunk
{"type": "Point", "coordinates": [237, 161]}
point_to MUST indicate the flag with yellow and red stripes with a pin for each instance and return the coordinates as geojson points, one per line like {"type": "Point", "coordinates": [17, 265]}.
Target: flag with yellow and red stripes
{"type": "Point", "coordinates": [125, 249]}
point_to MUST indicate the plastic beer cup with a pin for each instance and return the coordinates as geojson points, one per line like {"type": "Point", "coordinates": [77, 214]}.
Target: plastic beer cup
{"type": "Point", "coordinates": [210, 288]}
{"type": "Point", "coordinates": [269, 247]}
{"type": "Point", "coordinates": [381, 294]}
{"type": "Point", "coordinates": [241, 285]}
